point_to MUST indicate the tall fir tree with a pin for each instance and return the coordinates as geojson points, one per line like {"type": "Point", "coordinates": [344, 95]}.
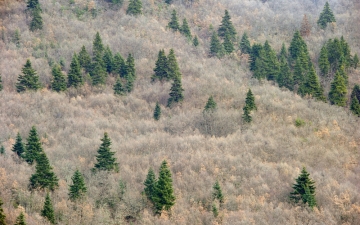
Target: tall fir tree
{"type": "Point", "coordinates": [2, 150]}
{"type": "Point", "coordinates": [210, 105]}
{"type": "Point", "coordinates": [20, 220]}
{"type": "Point", "coordinates": [216, 48]}
{"type": "Point", "coordinates": [150, 185]}
{"type": "Point", "coordinates": [305, 27]}
{"type": "Point", "coordinates": [98, 73]}
{"type": "Point", "coordinates": [84, 59]}
{"type": "Point", "coordinates": [78, 188]}
{"type": "Point", "coordinates": [74, 76]}
{"type": "Point", "coordinates": [255, 53]}
{"type": "Point", "coordinates": [217, 192]}
{"type": "Point", "coordinates": [176, 92]}
{"type": "Point", "coordinates": [174, 23]}
{"type": "Point", "coordinates": [18, 147]}
{"type": "Point", "coordinates": [33, 4]}
{"type": "Point", "coordinates": [304, 189]}
{"type": "Point", "coordinates": [48, 210]}
{"type": "Point", "coordinates": [157, 111]}
{"type": "Point", "coordinates": [36, 22]}
{"type": "Point", "coordinates": [29, 80]}
{"type": "Point", "coordinates": [246, 115]}
{"type": "Point", "coordinates": [172, 65]}
{"type": "Point", "coordinates": [2, 214]}
{"type": "Point", "coordinates": [326, 16]}
{"type": "Point", "coordinates": [33, 147]}
{"type": "Point", "coordinates": [271, 62]}
{"type": "Point", "coordinates": [196, 43]}
{"type": "Point", "coordinates": [134, 8]}
{"type": "Point", "coordinates": [130, 73]}
{"type": "Point", "coordinates": [164, 197]}
{"type": "Point", "coordinates": [283, 53]}
{"type": "Point", "coordinates": [228, 44]}
{"type": "Point", "coordinates": [161, 68]}
{"type": "Point", "coordinates": [108, 60]}
{"type": "Point", "coordinates": [44, 177]}
{"type": "Point", "coordinates": [297, 46]}
{"type": "Point", "coordinates": [338, 91]}
{"type": "Point", "coordinates": [355, 106]}
{"type": "Point", "coordinates": [260, 67]}
{"type": "Point", "coordinates": [355, 61]}
{"type": "Point", "coordinates": [250, 101]}
{"type": "Point", "coordinates": [227, 26]}
{"type": "Point", "coordinates": [299, 72]}
{"type": "Point", "coordinates": [356, 92]}
{"type": "Point", "coordinates": [185, 29]}
{"type": "Point", "coordinates": [324, 62]}
{"type": "Point", "coordinates": [312, 86]}
{"type": "Point", "coordinates": [119, 64]}
{"type": "Point", "coordinates": [334, 52]}
{"type": "Point", "coordinates": [245, 45]}
{"type": "Point", "coordinates": [98, 47]}
{"type": "Point", "coordinates": [105, 158]}
{"type": "Point", "coordinates": [58, 82]}
{"type": "Point", "coordinates": [118, 87]}
{"type": "Point", "coordinates": [285, 78]}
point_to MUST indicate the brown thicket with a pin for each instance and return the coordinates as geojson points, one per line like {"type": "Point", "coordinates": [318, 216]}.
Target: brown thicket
{"type": "Point", "coordinates": [305, 28]}
{"type": "Point", "coordinates": [256, 165]}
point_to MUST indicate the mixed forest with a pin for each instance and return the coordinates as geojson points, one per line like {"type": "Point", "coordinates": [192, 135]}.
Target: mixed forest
{"type": "Point", "coordinates": [179, 112]}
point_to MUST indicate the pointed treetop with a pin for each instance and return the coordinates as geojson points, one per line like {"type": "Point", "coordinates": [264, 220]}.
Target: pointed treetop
{"type": "Point", "coordinates": [174, 23]}
{"type": "Point", "coordinates": [326, 16]}
{"type": "Point", "coordinates": [18, 147]}
{"type": "Point", "coordinates": [105, 158]}
{"type": "Point", "coordinates": [48, 210]}
{"type": "Point", "coordinates": [245, 45]}
{"type": "Point", "coordinates": [226, 25]}
{"type": "Point", "coordinates": [210, 105]}
{"type": "Point", "coordinates": [77, 189]}
{"type": "Point", "coordinates": [157, 111]}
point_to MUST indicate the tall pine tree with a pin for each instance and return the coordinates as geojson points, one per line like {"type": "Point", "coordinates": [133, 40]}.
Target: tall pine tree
{"type": "Point", "coordinates": [58, 81]}
{"type": "Point", "coordinates": [172, 65]}
{"type": "Point", "coordinates": [48, 210]}
{"type": "Point", "coordinates": [297, 46]}
{"type": "Point", "coordinates": [161, 68]}
{"type": "Point", "coordinates": [44, 177]}
{"type": "Point", "coordinates": [77, 189]}
{"type": "Point", "coordinates": [217, 192]}
{"type": "Point", "coordinates": [312, 86]}
{"type": "Point", "coordinates": [118, 87]}
{"type": "Point", "coordinates": [227, 26]}
{"type": "Point", "coordinates": [20, 220]}
{"type": "Point", "coordinates": [164, 197]}
{"type": "Point", "coordinates": [228, 44]}
{"type": "Point", "coordinates": [185, 30]}
{"type": "Point", "coordinates": [84, 59]}
{"type": "Point", "coordinates": [29, 80]}
{"type": "Point", "coordinates": [216, 48]}
{"type": "Point", "coordinates": [245, 45]}
{"type": "Point", "coordinates": [285, 78]}
{"type": "Point", "coordinates": [210, 105]}
{"type": "Point", "coordinates": [250, 101]}
{"type": "Point", "coordinates": [304, 189]}
{"type": "Point", "coordinates": [108, 59]}
{"type": "Point", "coordinates": [119, 64]}
{"type": "Point", "coordinates": [338, 91]}
{"type": "Point", "coordinates": [174, 23]}
{"type": "Point", "coordinates": [176, 92]}
{"type": "Point", "coordinates": [36, 22]}
{"type": "Point", "coordinates": [150, 185]}
{"type": "Point", "coordinates": [134, 8]}
{"type": "Point", "coordinates": [130, 73]}
{"type": "Point", "coordinates": [18, 147]}
{"type": "Point", "coordinates": [74, 76]}
{"type": "Point", "coordinates": [98, 47]}
{"type": "Point", "coordinates": [326, 16]}
{"type": "Point", "coordinates": [324, 62]}
{"type": "Point", "coordinates": [105, 158]}
{"type": "Point", "coordinates": [157, 111]}
{"type": "Point", "coordinates": [2, 215]}
{"type": "Point", "coordinates": [33, 147]}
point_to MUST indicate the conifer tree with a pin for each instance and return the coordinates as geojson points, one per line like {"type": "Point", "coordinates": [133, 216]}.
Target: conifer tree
{"type": "Point", "coordinates": [20, 220]}
{"type": "Point", "coordinates": [324, 61]}
{"type": "Point", "coordinates": [256, 51]}
{"type": "Point", "coordinates": [118, 87]}
{"type": "Point", "coordinates": [108, 60]}
{"type": "Point", "coordinates": [44, 177]}
{"type": "Point", "coordinates": [98, 73]}
{"type": "Point", "coordinates": [217, 192]}
{"type": "Point", "coordinates": [2, 150]}
{"type": "Point", "coordinates": [18, 147]}
{"type": "Point", "coordinates": [226, 25]}
{"type": "Point", "coordinates": [2, 215]}
{"type": "Point", "coordinates": [283, 53]}
{"type": "Point", "coordinates": [29, 80]}
{"type": "Point", "coordinates": [150, 185]}
{"type": "Point", "coordinates": [130, 73]}
{"type": "Point", "coordinates": [174, 23]}
{"type": "Point", "coordinates": [355, 106]}
{"type": "Point", "coordinates": [59, 81]}
{"type": "Point", "coordinates": [164, 197]}
{"type": "Point", "coordinates": [326, 16]}
{"type": "Point", "coordinates": [119, 64]}
{"type": "Point", "coordinates": [246, 116]}
{"type": "Point", "coordinates": [157, 111]}
{"type": "Point", "coordinates": [346, 52]}
{"type": "Point", "coordinates": [161, 67]}
{"type": "Point", "coordinates": [105, 158]}
{"type": "Point", "coordinates": [134, 8]}
{"type": "Point", "coordinates": [334, 52]}
{"type": "Point", "coordinates": [98, 46]}
{"type": "Point", "coordinates": [338, 91]}
{"type": "Point", "coordinates": [36, 21]}
{"type": "Point", "coordinates": [356, 92]}
{"type": "Point", "coordinates": [48, 210]}
{"type": "Point", "coordinates": [299, 72]}
{"type": "Point", "coordinates": [185, 30]}
{"type": "Point", "coordinates": [271, 62]}
{"type": "Point", "coordinates": [176, 92]}
{"type": "Point", "coordinates": [33, 4]}
{"type": "Point", "coordinates": [77, 189]}
{"type": "Point", "coordinates": [210, 105]}
{"type": "Point", "coordinates": [74, 76]}
{"type": "Point", "coordinates": [196, 43]}
{"type": "Point", "coordinates": [250, 101]}
{"type": "Point", "coordinates": [228, 44]}
{"type": "Point", "coordinates": [1, 85]}
{"type": "Point", "coordinates": [312, 86]}
{"type": "Point", "coordinates": [297, 46]}
{"type": "Point", "coordinates": [84, 59]}
{"type": "Point", "coordinates": [33, 147]}
{"type": "Point", "coordinates": [216, 48]}
{"type": "Point", "coordinates": [172, 65]}
{"type": "Point", "coordinates": [305, 27]}
{"type": "Point", "coordinates": [285, 78]}
{"type": "Point", "coordinates": [245, 45]}
{"type": "Point", "coordinates": [304, 189]}
{"type": "Point", "coordinates": [355, 61]}
{"type": "Point", "coordinates": [260, 67]}
{"type": "Point", "coordinates": [168, 1]}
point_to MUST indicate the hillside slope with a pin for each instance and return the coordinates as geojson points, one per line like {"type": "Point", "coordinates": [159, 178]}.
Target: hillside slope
{"type": "Point", "coordinates": [256, 165]}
